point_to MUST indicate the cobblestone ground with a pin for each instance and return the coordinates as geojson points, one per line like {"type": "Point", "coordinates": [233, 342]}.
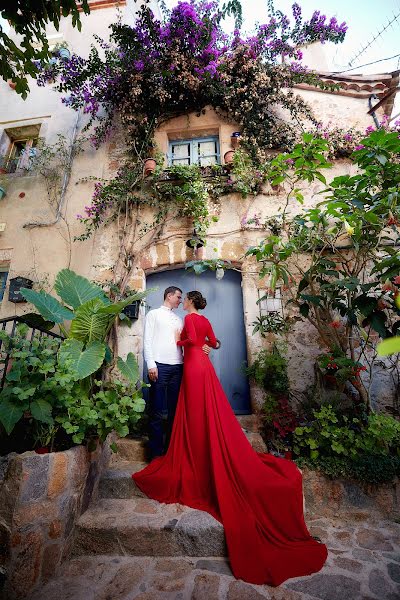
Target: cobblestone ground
{"type": "Point", "coordinates": [363, 564]}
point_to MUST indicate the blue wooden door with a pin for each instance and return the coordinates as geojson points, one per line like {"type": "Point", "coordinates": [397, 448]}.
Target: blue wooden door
{"type": "Point", "coordinates": [225, 312]}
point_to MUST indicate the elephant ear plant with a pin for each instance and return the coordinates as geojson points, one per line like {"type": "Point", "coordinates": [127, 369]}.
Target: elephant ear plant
{"type": "Point", "coordinates": [57, 384]}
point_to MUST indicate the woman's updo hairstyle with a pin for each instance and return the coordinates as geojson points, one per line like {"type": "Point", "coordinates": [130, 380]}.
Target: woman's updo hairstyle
{"type": "Point", "coordinates": [199, 302]}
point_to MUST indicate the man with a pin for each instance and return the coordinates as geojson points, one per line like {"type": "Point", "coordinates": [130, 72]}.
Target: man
{"type": "Point", "coordinates": [165, 367]}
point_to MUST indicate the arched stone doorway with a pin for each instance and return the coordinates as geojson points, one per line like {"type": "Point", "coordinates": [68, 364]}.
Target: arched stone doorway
{"type": "Point", "coordinates": [225, 312]}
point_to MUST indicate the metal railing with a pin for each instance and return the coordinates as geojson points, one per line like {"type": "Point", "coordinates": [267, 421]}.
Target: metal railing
{"type": "Point", "coordinates": [9, 325]}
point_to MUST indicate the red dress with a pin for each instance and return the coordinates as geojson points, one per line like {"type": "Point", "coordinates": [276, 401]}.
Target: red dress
{"type": "Point", "coordinates": [210, 465]}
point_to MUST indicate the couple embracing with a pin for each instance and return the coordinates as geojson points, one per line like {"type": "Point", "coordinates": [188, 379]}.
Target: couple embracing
{"type": "Point", "coordinates": [209, 464]}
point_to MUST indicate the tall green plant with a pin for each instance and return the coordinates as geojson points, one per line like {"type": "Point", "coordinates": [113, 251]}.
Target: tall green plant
{"type": "Point", "coordinates": [91, 315]}
{"type": "Point", "coordinates": [340, 258]}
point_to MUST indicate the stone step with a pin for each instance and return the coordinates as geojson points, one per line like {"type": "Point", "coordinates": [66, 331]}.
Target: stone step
{"type": "Point", "coordinates": [144, 527]}
{"type": "Point", "coordinates": [117, 482]}
{"type": "Point", "coordinates": [135, 450]}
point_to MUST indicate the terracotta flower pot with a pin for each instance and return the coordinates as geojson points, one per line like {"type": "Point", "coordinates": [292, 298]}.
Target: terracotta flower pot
{"type": "Point", "coordinates": [149, 166]}
{"type": "Point", "coordinates": [42, 450]}
{"type": "Point", "coordinates": [228, 157]}
{"type": "Point", "coordinates": [12, 85]}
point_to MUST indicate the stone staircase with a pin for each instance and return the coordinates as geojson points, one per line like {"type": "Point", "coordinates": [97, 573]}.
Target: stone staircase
{"type": "Point", "coordinates": [123, 521]}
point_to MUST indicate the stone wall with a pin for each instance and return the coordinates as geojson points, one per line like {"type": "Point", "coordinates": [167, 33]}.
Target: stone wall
{"type": "Point", "coordinates": [330, 497]}
{"type": "Point", "coordinates": [41, 497]}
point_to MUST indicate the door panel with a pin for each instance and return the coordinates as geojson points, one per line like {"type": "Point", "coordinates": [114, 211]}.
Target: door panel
{"type": "Point", "coordinates": [225, 311]}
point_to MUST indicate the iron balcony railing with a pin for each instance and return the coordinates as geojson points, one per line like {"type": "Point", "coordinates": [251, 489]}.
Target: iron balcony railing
{"type": "Point", "coordinates": [9, 325]}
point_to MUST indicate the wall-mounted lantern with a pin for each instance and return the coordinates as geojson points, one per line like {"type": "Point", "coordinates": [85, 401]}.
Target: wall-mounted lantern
{"type": "Point", "coordinates": [16, 283]}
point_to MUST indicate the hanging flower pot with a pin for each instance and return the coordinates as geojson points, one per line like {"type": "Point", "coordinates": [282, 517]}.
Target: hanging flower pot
{"type": "Point", "coordinates": [149, 166]}
{"type": "Point", "coordinates": [235, 139]}
{"type": "Point", "coordinates": [64, 54]}
{"type": "Point", "coordinates": [195, 241]}
{"type": "Point", "coordinates": [228, 157]}
{"type": "Point", "coordinates": [12, 84]}
{"type": "Point", "coordinates": [2, 193]}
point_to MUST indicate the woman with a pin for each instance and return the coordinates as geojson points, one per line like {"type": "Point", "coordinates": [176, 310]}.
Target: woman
{"type": "Point", "coordinates": [211, 466]}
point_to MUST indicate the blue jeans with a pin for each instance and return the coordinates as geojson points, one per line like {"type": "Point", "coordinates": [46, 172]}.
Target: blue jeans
{"type": "Point", "coordinates": [163, 398]}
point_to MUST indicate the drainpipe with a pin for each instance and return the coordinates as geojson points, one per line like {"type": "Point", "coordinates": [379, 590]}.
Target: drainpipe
{"type": "Point", "coordinates": [64, 185]}
{"type": "Point", "coordinates": [373, 113]}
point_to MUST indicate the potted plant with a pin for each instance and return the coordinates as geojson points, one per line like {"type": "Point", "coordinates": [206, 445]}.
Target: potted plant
{"type": "Point", "coordinates": [149, 166]}
{"type": "Point", "coordinates": [228, 157]}
{"type": "Point", "coordinates": [61, 50]}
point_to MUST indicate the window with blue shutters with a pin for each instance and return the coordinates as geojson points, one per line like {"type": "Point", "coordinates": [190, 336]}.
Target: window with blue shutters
{"type": "Point", "coordinates": [198, 151]}
{"type": "Point", "coordinates": [3, 281]}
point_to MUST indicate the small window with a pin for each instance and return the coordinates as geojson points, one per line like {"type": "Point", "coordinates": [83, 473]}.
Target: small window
{"type": "Point", "coordinates": [200, 151]}
{"type": "Point", "coordinates": [19, 149]}
{"type": "Point", "coordinates": [3, 281]}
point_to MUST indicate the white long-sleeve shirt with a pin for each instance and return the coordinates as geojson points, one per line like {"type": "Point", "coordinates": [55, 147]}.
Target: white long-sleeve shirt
{"type": "Point", "coordinates": [159, 337]}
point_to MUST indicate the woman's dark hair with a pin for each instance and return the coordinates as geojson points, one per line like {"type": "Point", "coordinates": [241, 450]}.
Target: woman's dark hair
{"type": "Point", "coordinates": [199, 302]}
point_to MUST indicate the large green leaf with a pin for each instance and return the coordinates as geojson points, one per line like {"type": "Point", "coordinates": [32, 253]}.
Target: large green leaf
{"type": "Point", "coordinates": [83, 362]}
{"type": "Point", "coordinates": [389, 346]}
{"type": "Point", "coordinates": [48, 306]}
{"type": "Point", "coordinates": [76, 290]}
{"type": "Point", "coordinates": [90, 324]}
{"type": "Point", "coordinates": [10, 414]}
{"type": "Point", "coordinates": [129, 368]}
{"type": "Point", "coordinates": [115, 309]}
{"type": "Point", "coordinates": [41, 411]}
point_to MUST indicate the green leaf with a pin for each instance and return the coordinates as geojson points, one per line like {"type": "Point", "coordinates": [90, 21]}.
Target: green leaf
{"type": "Point", "coordinates": [129, 368]}
{"type": "Point", "coordinates": [89, 324]}
{"type": "Point", "coordinates": [83, 362]}
{"type": "Point", "coordinates": [76, 290]}
{"type": "Point", "coordinates": [389, 346]}
{"type": "Point", "coordinates": [378, 321]}
{"type": "Point", "coordinates": [41, 411]}
{"type": "Point", "coordinates": [114, 309]}
{"type": "Point", "coordinates": [10, 414]}
{"type": "Point", "coordinates": [48, 306]}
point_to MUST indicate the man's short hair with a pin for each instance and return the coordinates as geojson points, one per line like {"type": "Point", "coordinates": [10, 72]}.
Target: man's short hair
{"type": "Point", "coordinates": [171, 290]}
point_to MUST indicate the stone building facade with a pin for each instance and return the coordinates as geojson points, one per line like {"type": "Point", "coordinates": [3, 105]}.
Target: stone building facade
{"type": "Point", "coordinates": [36, 241]}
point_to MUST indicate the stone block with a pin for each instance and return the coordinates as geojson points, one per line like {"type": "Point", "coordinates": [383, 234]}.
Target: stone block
{"type": "Point", "coordinates": [328, 587]}
{"type": "Point", "coordinates": [129, 450]}
{"type": "Point", "coordinates": [118, 482]}
{"type": "Point", "coordinates": [239, 590]}
{"type": "Point", "coordinates": [205, 586]}
{"type": "Point", "coordinates": [35, 475]}
{"type": "Point", "coordinates": [58, 474]}
{"type": "Point", "coordinates": [199, 534]}
{"type": "Point", "coordinates": [55, 529]}
{"type": "Point", "coordinates": [122, 582]}
{"type": "Point", "coordinates": [26, 565]}
{"type": "Point", "coordinates": [234, 250]}
{"type": "Point", "coordinates": [220, 566]}
{"type": "Point", "coordinates": [380, 585]}
{"type": "Point", "coordinates": [163, 255]}
{"type": "Point", "coordinates": [373, 540]}
{"type": "Point", "coordinates": [51, 560]}
{"type": "Point", "coordinates": [34, 512]}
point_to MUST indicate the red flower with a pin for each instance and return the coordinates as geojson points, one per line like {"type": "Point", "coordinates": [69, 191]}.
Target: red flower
{"type": "Point", "coordinates": [397, 280]}
{"type": "Point", "coordinates": [335, 324]}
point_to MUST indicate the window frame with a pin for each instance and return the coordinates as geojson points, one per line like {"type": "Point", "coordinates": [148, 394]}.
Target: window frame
{"type": "Point", "coordinates": [193, 156]}
{"type": "Point", "coordinates": [4, 273]}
